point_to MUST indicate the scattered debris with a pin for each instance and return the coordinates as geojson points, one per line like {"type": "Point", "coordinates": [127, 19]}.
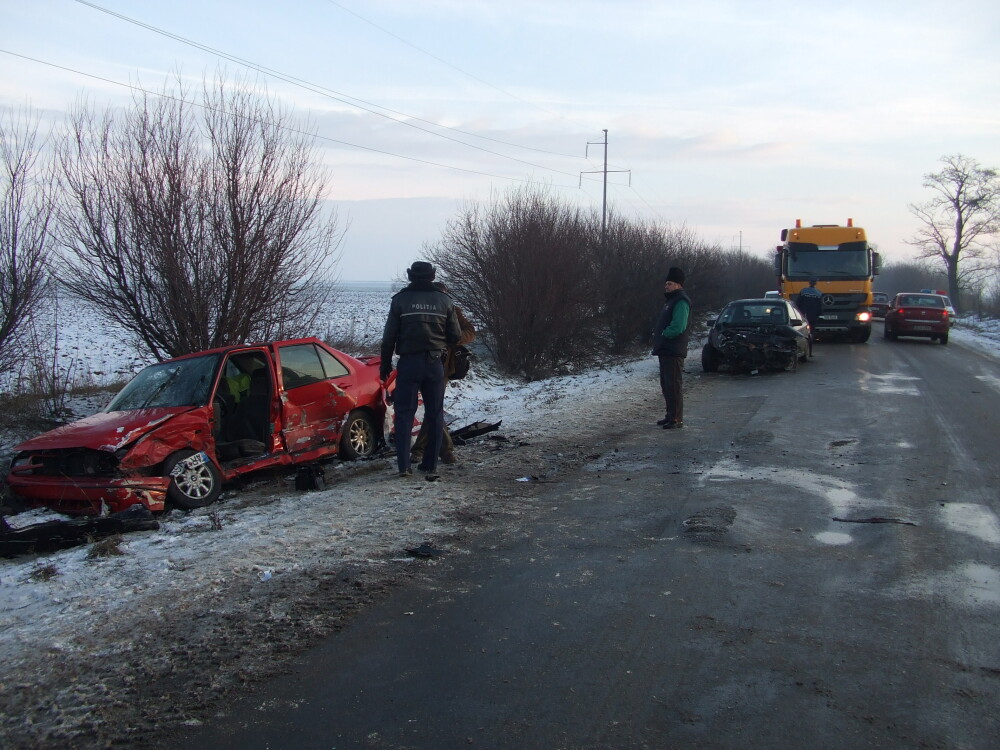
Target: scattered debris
{"type": "Point", "coordinates": [55, 535]}
{"type": "Point", "coordinates": [216, 520]}
{"type": "Point", "coordinates": [310, 477]}
{"type": "Point", "coordinates": [875, 519]}
{"type": "Point", "coordinates": [463, 434]}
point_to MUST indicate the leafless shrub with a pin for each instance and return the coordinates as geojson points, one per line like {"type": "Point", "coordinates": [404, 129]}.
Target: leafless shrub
{"type": "Point", "coordinates": [26, 211]}
{"type": "Point", "coordinates": [626, 270]}
{"type": "Point", "coordinates": [107, 547]}
{"type": "Point", "coordinates": [191, 226]}
{"type": "Point", "coordinates": [216, 520]}
{"type": "Point", "coordinates": [518, 268]}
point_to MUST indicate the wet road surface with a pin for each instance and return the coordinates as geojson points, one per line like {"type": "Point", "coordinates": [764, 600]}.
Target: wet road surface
{"type": "Point", "coordinates": [811, 563]}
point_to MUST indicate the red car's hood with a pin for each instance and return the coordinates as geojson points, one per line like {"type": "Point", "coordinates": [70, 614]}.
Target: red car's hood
{"type": "Point", "coordinates": [106, 431]}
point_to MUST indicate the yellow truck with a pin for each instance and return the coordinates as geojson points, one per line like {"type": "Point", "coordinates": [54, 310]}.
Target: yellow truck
{"type": "Point", "coordinates": [844, 265]}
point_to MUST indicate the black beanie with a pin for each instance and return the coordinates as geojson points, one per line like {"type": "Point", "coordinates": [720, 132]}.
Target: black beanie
{"type": "Point", "coordinates": [421, 270]}
{"type": "Point", "coordinates": [676, 275]}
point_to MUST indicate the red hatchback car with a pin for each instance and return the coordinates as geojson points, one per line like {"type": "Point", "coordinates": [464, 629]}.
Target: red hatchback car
{"type": "Point", "coordinates": [182, 427]}
{"type": "Point", "coordinates": [917, 314]}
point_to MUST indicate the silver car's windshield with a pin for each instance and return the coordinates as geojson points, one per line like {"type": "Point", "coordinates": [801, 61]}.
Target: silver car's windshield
{"type": "Point", "coordinates": [182, 383]}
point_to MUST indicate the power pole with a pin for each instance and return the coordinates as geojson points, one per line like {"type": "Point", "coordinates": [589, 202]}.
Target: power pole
{"type": "Point", "coordinates": [604, 201]}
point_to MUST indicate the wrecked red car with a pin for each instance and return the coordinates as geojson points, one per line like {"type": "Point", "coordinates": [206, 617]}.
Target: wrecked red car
{"type": "Point", "coordinates": [183, 427]}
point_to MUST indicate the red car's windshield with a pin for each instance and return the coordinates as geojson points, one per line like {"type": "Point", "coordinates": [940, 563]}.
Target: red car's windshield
{"type": "Point", "coordinates": [184, 382]}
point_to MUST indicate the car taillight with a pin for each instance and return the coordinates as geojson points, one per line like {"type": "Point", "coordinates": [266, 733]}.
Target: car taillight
{"type": "Point", "coordinates": [901, 310]}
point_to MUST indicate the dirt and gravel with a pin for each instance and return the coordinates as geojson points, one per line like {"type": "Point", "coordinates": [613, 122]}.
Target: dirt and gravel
{"type": "Point", "coordinates": [105, 648]}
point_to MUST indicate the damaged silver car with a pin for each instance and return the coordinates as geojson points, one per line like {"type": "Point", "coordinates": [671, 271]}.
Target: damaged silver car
{"type": "Point", "coordinates": [751, 335]}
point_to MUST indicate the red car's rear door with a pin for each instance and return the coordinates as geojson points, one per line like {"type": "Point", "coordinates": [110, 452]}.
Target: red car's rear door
{"type": "Point", "coordinates": [318, 391]}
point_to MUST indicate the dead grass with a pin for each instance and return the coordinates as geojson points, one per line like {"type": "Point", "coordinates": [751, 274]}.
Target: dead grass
{"type": "Point", "coordinates": [108, 547]}
{"type": "Point", "coordinates": [43, 572]}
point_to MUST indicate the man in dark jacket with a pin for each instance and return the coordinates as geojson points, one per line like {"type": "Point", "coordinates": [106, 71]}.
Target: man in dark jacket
{"type": "Point", "coordinates": [670, 343]}
{"type": "Point", "coordinates": [422, 324]}
{"type": "Point", "coordinates": [447, 455]}
{"type": "Point", "coordinates": [810, 302]}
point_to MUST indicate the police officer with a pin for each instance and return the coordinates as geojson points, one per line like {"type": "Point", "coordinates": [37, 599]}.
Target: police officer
{"type": "Point", "coordinates": [422, 324]}
{"type": "Point", "coordinates": [810, 302]}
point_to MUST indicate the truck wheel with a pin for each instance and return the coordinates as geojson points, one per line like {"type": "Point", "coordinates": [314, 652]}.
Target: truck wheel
{"type": "Point", "coordinates": [195, 485]}
{"type": "Point", "coordinates": [360, 438]}
{"type": "Point", "coordinates": [861, 335]}
{"type": "Point", "coordinates": [709, 359]}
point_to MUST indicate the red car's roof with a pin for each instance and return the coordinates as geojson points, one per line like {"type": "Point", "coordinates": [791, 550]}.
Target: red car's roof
{"type": "Point", "coordinates": [259, 345]}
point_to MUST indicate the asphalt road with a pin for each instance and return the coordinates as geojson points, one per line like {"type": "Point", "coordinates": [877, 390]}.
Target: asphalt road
{"type": "Point", "coordinates": [812, 563]}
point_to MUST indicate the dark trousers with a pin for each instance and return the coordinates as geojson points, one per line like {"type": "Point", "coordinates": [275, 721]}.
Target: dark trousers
{"type": "Point", "coordinates": [672, 385]}
{"type": "Point", "coordinates": [421, 373]}
{"type": "Point", "coordinates": [813, 322]}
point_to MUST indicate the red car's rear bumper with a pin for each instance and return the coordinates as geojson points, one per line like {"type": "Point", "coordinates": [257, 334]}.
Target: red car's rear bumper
{"type": "Point", "coordinates": [920, 327]}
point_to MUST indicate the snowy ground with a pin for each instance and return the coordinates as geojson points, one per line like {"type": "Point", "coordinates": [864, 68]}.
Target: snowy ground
{"type": "Point", "coordinates": [101, 649]}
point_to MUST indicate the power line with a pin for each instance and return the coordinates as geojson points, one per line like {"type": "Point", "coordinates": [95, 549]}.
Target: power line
{"type": "Point", "coordinates": [336, 95]}
{"type": "Point", "coordinates": [445, 62]}
{"type": "Point", "coordinates": [284, 127]}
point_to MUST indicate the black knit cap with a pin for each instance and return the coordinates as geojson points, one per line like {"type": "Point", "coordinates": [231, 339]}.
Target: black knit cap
{"type": "Point", "coordinates": [676, 275]}
{"type": "Point", "coordinates": [421, 270]}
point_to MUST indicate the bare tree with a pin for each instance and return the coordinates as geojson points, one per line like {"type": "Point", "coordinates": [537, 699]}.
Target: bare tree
{"type": "Point", "coordinates": [25, 215]}
{"type": "Point", "coordinates": [196, 224]}
{"type": "Point", "coordinates": [962, 215]}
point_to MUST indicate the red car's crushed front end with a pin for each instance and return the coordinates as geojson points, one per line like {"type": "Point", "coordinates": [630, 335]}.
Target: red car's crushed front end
{"type": "Point", "coordinates": [104, 463]}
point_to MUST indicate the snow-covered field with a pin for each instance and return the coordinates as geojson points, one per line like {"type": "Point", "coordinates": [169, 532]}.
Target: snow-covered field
{"type": "Point", "coordinates": [79, 631]}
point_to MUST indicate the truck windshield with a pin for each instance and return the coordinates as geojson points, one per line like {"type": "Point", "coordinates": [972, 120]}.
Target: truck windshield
{"type": "Point", "coordinates": [181, 383]}
{"type": "Point", "coordinates": [848, 260]}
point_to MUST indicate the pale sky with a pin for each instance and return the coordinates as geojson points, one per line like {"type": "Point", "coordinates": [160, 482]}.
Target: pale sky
{"type": "Point", "coordinates": [733, 118]}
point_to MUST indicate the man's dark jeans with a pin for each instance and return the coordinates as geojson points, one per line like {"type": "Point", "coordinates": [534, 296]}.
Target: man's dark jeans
{"type": "Point", "coordinates": [421, 373]}
{"type": "Point", "coordinates": [672, 385]}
